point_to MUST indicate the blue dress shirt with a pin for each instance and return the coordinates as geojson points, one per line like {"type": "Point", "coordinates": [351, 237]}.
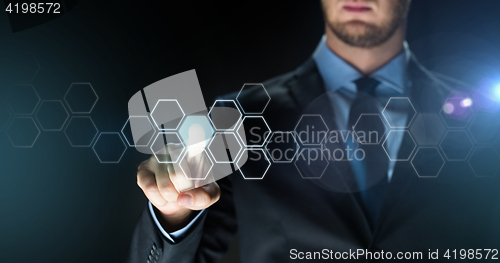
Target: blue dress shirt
{"type": "Point", "coordinates": [338, 77]}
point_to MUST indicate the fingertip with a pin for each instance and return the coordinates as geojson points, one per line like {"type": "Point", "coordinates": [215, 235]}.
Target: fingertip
{"type": "Point", "coordinates": [185, 200]}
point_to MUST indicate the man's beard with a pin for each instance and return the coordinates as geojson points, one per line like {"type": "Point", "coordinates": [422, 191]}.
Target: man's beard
{"type": "Point", "coordinates": [372, 35]}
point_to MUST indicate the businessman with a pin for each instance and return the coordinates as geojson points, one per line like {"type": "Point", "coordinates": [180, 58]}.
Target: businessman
{"type": "Point", "coordinates": [285, 218]}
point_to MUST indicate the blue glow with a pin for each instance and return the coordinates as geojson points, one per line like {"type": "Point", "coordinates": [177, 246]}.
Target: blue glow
{"type": "Point", "coordinates": [189, 121]}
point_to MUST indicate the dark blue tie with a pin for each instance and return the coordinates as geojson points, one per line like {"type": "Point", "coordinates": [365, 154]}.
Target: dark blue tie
{"type": "Point", "coordinates": [370, 173]}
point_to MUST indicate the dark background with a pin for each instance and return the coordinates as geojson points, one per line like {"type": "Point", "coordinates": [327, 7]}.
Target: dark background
{"type": "Point", "coordinates": [60, 203]}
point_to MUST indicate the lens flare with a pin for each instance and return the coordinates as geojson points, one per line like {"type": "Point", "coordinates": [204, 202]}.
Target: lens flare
{"type": "Point", "coordinates": [448, 108]}
{"type": "Point", "coordinates": [466, 102]}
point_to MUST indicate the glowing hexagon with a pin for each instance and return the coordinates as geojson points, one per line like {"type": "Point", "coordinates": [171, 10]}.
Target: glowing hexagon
{"type": "Point", "coordinates": [109, 147]}
{"type": "Point", "coordinates": [370, 128]}
{"type": "Point", "coordinates": [311, 129]}
{"type": "Point", "coordinates": [23, 99]}
{"type": "Point", "coordinates": [406, 149]}
{"type": "Point", "coordinates": [484, 127]}
{"type": "Point", "coordinates": [224, 115]}
{"type": "Point", "coordinates": [225, 147]}
{"type": "Point", "coordinates": [247, 96]}
{"type": "Point", "coordinates": [256, 166]}
{"type": "Point", "coordinates": [253, 131]}
{"type": "Point", "coordinates": [4, 116]}
{"type": "Point", "coordinates": [399, 104]}
{"type": "Point", "coordinates": [427, 162]}
{"type": "Point", "coordinates": [310, 163]}
{"type": "Point", "coordinates": [428, 129]}
{"type": "Point", "coordinates": [282, 147]}
{"type": "Point", "coordinates": [81, 131]}
{"type": "Point", "coordinates": [167, 114]}
{"type": "Point", "coordinates": [52, 115]}
{"type": "Point", "coordinates": [196, 131]}
{"type": "Point", "coordinates": [484, 161]}
{"type": "Point", "coordinates": [456, 145]}
{"type": "Point", "coordinates": [175, 147]}
{"type": "Point", "coordinates": [23, 132]}
{"type": "Point", "coordinates": [142, 123]}
{"type": "Point", "coordinates": [81, 98]}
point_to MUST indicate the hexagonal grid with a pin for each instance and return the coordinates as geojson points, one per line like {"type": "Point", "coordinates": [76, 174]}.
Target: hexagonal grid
{"type": "Point", "coordinates": [422, 176]}
{"type": "Point", "coordinates": [236, 107]}
{"type": "Point", "coordinates": [253, 84]}
{"type": "Point", "coordinates": [383, 122]}
{"type": "Point", "coordinates": [181, 143]}
{"type": "Point", "coordinates": [69, 104]}
{"type": "Point", "coordinates": [265, 157]}
{"type": "Point", "coordinates": [444, 151]}
{"type": "Point", "coordinates": [97, 141]}
{"type": "Point", "coordinates": [408, 122]}
{"type": "Point", "coordinates": [5, 116]}
{"type": "Point", "coordinates": [180, 121]}
{"type": "Point", "coordinates": [309, 178]}
{"type": "Point", "coordinates": [396, 131]}
{"type": "Point", "coordinates": [29, 119]}
{"type": "Point", "coordinates": [209, 169]}
{"type": "Point", "coordinates": [263, 141]}
{"type": "Point", "coordinates": [15, 104]}
{"type": "Point", "coordinates": [481, 138]}
{"type": "Point", "coordinates": [311, 115]}
{"type": "Point", "coordinates": [496, 162]}
{"type": "Point", "coordinates": [133, 143]}
{"type": "Point", "coordinates": [81, 145]}
{"type": "Point", "coordinates": [296, 143]}
{"type": "Point", "coordinates": [62, 107]}
{"type": "Point", "coordinates": [225, 133]}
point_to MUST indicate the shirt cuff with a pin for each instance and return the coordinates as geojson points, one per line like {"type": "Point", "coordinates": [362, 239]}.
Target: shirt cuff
{"type": "Point", "coordinates": [175, 234]}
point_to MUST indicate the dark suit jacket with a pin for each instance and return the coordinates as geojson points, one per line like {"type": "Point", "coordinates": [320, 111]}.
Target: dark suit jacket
{"type": "Point", "coordinates": [456, 210]}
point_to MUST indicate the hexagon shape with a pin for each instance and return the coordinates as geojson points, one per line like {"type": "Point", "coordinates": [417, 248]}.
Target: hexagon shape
{"type": "Point", "coordinates": [23, 132]}
{"type": "Point", "coordinates": [310, 163]}
{"type": "Point", "coordinates": [109, 147]}
{"type": "Point", "coordinates": [248, 93]}
{"type": "Point", "coordinates": [256, 166]}
{"type": "Point", "coordinates": [456, 145]}
{"type": "Point", "coordinates": [81, 98]}
{"type": "Point", "coordinates": [399, 104]}
{"type": "Point", "coordinates": [224, 147]}
{"type": "Point", "coordinates": [484, 161]}
{"type": "Point", "coordinates": [81, 131]}
{"type": "Point", "coordinates": [253, 131]}
{"type": "Point", "coordinates": [23, 99]}
{"type": "Point", "coordinates": [340, 145]}
{"type": "Point", "coordinates": [175, 151]}
{"type": "Point", "coordinates": [147, 129]}
{"type": "Point", "coordinates": [4, 116]}
{"type": "Point", "coordinates": [208, 164]}
{"type": "Point", "coordinates": [367, 132]}
{"type": "Point", "coordinates": [282, 147]}
{"type": "Point", "coordinates": [52, 115]}
{"type": "Point", "coordinates": [406, 149]}
{"type": "Point", "coordinates": [427, 162]}
{"type": "Point", "coordinates": [484, 127]}
{"type": "Point", "coordinates": [428, 129]}
{"type": "Point", "coordinates": [196, 131]}
{"type": "Point", "coordinates": [224, 115]}
{"type": "Point", "coordinates": [457, 112]}
{"type": "Point", "coordinates": [167, 114]}
{"type": "Point", "coordinates": [311, 129]}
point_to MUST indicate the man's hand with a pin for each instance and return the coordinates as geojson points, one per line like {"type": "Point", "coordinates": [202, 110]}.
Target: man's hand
{"type": "Point", "coordinates": [175, 208]}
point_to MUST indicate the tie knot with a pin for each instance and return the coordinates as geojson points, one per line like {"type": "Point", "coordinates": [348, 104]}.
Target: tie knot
{"type": "Point", "coordinates": [366, 85]}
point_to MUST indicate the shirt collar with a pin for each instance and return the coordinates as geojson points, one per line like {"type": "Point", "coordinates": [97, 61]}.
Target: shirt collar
{"type": "Point", "coordinates": [336, 72]}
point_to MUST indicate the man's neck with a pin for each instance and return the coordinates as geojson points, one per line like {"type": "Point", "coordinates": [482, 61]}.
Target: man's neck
{"type": "Point", "coordinates": [366, 60]}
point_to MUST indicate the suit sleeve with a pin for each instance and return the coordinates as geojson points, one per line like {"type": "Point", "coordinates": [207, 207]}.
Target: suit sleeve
{"type": "Point", "coordinates": [205, 241]}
